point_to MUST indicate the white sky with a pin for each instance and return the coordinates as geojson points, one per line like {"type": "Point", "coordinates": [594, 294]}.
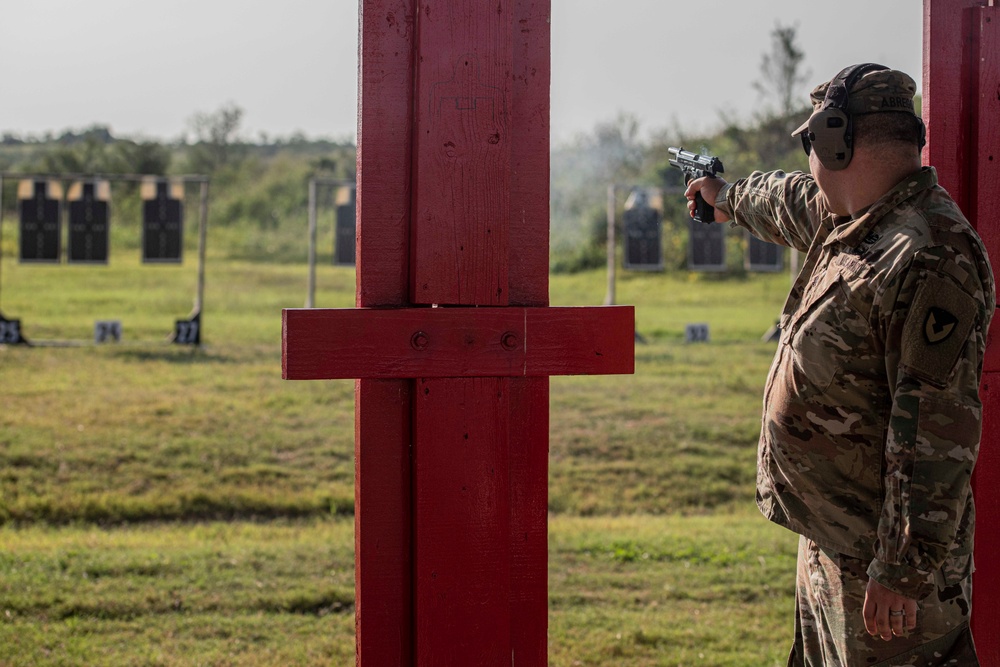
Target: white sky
{"type": "Point", "coordinates": [145, 68]}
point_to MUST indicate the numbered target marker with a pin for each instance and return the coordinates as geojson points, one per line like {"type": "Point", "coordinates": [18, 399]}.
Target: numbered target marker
{"type": "Point", "coordinates": [107, 330]}
{"type": "Point", "coordinates": [696, 333]}
{"type": "Point", "coordinates": [188, 332]}
{"type": "Point", "coordinates": [10, 332]}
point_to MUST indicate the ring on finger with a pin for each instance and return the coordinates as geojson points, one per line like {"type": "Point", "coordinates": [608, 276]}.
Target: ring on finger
{"type": "Point", "coordinates": [897, 612]}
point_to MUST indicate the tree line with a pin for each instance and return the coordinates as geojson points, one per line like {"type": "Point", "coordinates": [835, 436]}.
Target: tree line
{"type": "Point", "coordinates": [617, 152]}
{"type": "Point", "coordinates": [259, 188]}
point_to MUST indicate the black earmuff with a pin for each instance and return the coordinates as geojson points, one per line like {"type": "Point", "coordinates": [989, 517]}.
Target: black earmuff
{"type": "Point", "coordinates": [830, 128]}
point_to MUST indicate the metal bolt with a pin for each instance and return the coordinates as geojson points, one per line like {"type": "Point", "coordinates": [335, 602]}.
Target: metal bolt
{"type": "Point", "coordinates": [509, 341]}
{"type": "Point", "coordinates": [419, 340]}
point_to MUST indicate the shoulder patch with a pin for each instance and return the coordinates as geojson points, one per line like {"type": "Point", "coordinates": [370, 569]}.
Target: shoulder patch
{"type": "Point", "coordinates": [937, 328]}
{"type": "Point", "coordinates": [939, 325]}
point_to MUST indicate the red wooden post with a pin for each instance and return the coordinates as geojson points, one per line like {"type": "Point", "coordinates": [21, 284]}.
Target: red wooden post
{"type": "Point", "coordinates": [452, 336]}
{"type": "Point", "coordinates": [961, 106]}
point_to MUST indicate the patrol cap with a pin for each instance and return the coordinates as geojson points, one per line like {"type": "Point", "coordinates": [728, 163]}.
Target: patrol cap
{"type": "Point", "coordinates": [881, 90]}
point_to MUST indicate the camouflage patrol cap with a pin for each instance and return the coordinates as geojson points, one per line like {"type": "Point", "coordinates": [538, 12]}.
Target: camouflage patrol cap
{"type": "Point", "coordinates": [881, 90]}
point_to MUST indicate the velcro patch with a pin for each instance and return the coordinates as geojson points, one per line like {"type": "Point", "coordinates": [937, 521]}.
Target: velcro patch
{"type": "Point", "coordinates": [937, 328]}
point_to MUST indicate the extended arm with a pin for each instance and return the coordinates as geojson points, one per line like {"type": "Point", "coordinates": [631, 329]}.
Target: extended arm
{"type": "Point", "coordinates": [779, 207]}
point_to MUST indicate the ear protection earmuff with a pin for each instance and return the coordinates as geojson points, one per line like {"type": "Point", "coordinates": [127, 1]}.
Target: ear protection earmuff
{"type": "Point", "coordinates": [830, 130]}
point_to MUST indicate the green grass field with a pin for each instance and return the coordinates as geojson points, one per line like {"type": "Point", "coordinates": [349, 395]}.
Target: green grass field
{"type": "Point", "coordinates": [167, 506]}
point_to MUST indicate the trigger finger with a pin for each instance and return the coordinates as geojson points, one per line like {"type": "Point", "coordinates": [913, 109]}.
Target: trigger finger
{"type": "Point", "coordinates": [691, 190]}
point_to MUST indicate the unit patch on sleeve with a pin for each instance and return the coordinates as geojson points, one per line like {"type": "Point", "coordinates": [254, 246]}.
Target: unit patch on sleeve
{"type": "Point", "coordinates": [939, 325]}
{"type": "Point", "coordinates": [937, 328]}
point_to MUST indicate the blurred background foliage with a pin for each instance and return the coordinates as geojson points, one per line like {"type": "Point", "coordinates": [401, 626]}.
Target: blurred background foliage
{"type": "Point", "coordinates": [259, 187]}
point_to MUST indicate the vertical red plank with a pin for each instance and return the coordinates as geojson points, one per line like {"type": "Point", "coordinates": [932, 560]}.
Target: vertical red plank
{"type": "Point", "coordinates": [385, 128]}
{"type": "Point", "coordinates": [985, 202]}
{"type": "Point", "coordinates": [459, 256]}
{"type": "Point", "coordinates": [382, 519]}
{"type": "Point", "coordinates": [984, 154]}
{"type": "Point", "coordinates": [461, 193]}
{"type": "Point", "coordinates": [529, 486]}
{"type": "Point", "coordinates": [383, 515]}
{"type": "Point", "coordinates": [529, 206]}
{"type": "Point", "coordinates": [945, 104]}
{"type": "Point", "coordinates": [529, 274]}
{"type": "Point", "coordinates": [462, 503]}
{"type": "Point", "coordinates": [986, 580]}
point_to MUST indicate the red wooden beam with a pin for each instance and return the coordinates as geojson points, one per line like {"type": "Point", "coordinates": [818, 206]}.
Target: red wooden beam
{"type": "Point", "coordinates": [383, 490]}
{"type": "Point", "coordinates": [460, 247]}
{"type": "Point", "coordinates": [385, 138]}
{"type": "Point", "coordinates": [947, 81]}
{"type": "Point", "coordinates": [456, 342]}
{"type": "Point", "coordinates": [984, 171]}
{"type": "Point", "coordinates": [528, 276]}
{"type": "Point", "coordinates": [452, 422]}
{"type": "Point", "coordinates": [462, 140]}
{"type": "Point", "coordinates": [528, 285]}
{"type": "Point", "coordinates": [962, 110]}
{"type": "Point", "coordinates": [462, 521]}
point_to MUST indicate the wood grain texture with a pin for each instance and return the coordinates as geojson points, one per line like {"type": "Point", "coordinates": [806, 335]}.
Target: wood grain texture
{"type": "Point", "coordinates": [528, 280]}
{"type": "Point", "coordinates": [984, 154]}
{"type": "Point", "coordinates": [529, 182]}
{"type": "Point", "coordinates": [383, 409]}
{"type": "Point", "coordinates": [385, 139]}
{"type": "Point", "coordinates": [383, 536]}
{"type": "Point", "coordinates": [452, 406]}
{"type": "Point", "coordinates": [461, 199]}
{"type": "Point", "coordinates": [944, 98]}
{"type": "Point", "coordinates": [529, 498]}
{"type": "Point", "coordinates": [457, 342]}
{"type": "Point", "coordinates": [462, 521]}
{"type": "Point", "coordinates": [986, 580]}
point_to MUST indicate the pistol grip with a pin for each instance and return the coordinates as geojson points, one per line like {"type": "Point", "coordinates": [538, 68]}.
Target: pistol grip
{"type": "Point", "coordinates": [703, 211]}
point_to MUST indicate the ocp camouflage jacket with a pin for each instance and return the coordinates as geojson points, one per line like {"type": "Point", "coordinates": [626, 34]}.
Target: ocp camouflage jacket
{"type": "Point", "coordinates": [872, 416]}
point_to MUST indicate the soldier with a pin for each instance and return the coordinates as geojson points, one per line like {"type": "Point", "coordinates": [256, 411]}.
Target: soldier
{"type": "Point", "coordinates": [872, 416]}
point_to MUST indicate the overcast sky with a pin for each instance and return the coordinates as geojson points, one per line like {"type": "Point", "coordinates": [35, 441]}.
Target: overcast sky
{"type": "Point", "coordinates": [145, 68]}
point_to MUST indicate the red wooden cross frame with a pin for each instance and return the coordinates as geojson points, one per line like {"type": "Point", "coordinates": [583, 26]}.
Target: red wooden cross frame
{"type": "Point", "coordinates": [453, 338]}
{"type": "Point", "coordinates": [961, 105]}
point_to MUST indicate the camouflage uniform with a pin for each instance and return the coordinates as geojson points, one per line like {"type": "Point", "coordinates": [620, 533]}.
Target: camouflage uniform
{"type": "Point", "coordinates": [872, 416]}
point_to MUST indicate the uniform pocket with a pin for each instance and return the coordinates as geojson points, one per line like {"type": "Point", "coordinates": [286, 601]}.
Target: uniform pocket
{"type": "Point", "coordinates": [828, 333]}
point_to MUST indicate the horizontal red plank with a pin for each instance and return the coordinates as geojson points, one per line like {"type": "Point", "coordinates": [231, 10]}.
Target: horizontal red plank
{"type": "Point", "coordinates": [327, 344]}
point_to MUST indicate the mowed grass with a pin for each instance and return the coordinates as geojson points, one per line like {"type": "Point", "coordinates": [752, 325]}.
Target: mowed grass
{"type": "Point", "coordinates": [169, 506]}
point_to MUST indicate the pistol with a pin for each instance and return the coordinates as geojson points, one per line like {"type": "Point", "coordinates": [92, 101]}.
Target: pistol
{"type": "Point", "coordinates": [695, 166]}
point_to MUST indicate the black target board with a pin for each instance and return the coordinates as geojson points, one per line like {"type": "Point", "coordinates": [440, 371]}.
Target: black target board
{"type": "Point", "coordinates": [162, 221]}
{"type": "Point", "coordinates": [707, 247]}
{"type": "Point", "coordinates": [38, 205]}
{"type": "Point", "coordinates": [88, 222]}
{"type": "Point", "coordinates": [643, 234]}
{"type": "Point", "coordinates": [763, 256]}
{"type": "Point", "coordinates": [346, 237]}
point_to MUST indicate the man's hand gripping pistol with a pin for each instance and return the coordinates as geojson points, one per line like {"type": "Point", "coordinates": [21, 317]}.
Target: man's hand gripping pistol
{"type": "Point", "coordinates": [695, 166]}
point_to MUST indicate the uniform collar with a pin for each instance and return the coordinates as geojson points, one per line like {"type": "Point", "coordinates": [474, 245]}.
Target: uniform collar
{"type": "Point", "coordinates": [852, 232]}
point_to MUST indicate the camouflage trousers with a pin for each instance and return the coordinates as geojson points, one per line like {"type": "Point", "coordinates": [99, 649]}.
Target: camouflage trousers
{"type": "Point", "coordinates": [830, 629]}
